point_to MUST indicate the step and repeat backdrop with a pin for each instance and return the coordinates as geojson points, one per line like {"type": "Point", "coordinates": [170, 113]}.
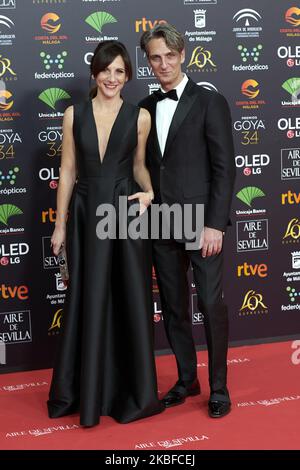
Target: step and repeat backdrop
{"type": "Point", "coordinates": [247, 50]}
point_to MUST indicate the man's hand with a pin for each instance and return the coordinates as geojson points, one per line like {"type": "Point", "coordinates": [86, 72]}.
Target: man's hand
{"type": "Point", "coordinates": [211, 241]}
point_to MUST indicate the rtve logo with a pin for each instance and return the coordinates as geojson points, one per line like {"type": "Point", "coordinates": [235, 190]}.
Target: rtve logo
{"type": "Point", "coordinates": [290, 198]}
{"type": "Point", "coordinates": [49, 215]}
{"type": "Point", "coordinates": [245, 269]}
{"type": "Point", "coordinates": [15, 292]}
{"type": "Point", "coordinates": [146, 25]}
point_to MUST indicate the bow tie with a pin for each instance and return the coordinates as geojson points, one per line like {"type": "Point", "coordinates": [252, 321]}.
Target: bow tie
{"type": "Point", "coordinates": [160, 95]}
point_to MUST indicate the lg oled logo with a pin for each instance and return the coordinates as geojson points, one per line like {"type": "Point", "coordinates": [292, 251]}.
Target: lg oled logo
{"type": "Point", "coordinates": [291, 54]}
{"type": "Point", "coordinates": [252, 164]}
{"type": "Point", "coordinates": [290, 125]}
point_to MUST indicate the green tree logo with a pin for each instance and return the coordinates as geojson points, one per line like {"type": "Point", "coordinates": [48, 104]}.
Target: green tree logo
{"type": "Point", "coordinates": [52, 95]}
{"type": "Point", "coordinates": [249, 193]}
{"type": "Point", "coordinates": [7, 211]}
{"type": "Point", "coordinates": [100, 18]}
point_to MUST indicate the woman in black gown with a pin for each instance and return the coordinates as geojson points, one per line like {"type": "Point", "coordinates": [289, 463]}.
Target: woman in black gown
{"type": "Point", "coordinates": [105, 364]}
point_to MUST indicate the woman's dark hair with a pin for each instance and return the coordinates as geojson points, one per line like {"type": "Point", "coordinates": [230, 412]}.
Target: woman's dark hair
{"type": "Point", "coordinates": [104, 54]}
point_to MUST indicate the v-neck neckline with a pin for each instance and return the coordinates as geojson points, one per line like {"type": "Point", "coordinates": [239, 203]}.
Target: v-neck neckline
{"type": "Point", "coordinates": [110, 134]}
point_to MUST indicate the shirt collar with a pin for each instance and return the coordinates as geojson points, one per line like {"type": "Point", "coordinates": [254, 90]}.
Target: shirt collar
{"type": "Point", "coordinates": [181, 86]}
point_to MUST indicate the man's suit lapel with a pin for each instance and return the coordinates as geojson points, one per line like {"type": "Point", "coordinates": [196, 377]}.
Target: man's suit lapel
{"type": "Point", "coordinates": [185, 103]}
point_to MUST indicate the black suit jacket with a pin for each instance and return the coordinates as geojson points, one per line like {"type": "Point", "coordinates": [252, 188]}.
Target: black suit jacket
{"type": "Point", "coordinates": [198, 165]}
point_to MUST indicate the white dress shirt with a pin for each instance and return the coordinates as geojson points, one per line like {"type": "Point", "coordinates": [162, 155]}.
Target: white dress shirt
{"type": "Point", "coordinates": [165, 110]}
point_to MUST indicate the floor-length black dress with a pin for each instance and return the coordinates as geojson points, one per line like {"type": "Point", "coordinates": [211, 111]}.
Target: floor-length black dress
{"type": "Point", "coordinates": [105, 362]}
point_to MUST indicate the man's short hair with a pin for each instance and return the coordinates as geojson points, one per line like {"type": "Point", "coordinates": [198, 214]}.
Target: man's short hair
{"type": "Point", "coordinates": [173, 38]}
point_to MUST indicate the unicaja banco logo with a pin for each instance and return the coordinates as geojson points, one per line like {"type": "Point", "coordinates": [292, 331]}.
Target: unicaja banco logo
{"type": "Point", "coordinates": [99, 19]}
{"type": "Point", "coordinates": [52, 95]}
{"type": "Point", "coordinates": [252, 54]}
{"type": "Point", "coordinates": [50, 61]}
{"type": "Point", "coordinates": [248, 194]}
{"type": "Point", "coordinates": [292, 86]}
{"type": "Point", "coordinates": [7, 211]}
{"type": "Point", "coordinates": [49, 23]}
{"type": "Point", "coordinates": [292, 16]}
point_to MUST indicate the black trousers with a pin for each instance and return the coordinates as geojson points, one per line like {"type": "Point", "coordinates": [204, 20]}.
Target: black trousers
{"type": "Point", "coordinates": [171, 262]}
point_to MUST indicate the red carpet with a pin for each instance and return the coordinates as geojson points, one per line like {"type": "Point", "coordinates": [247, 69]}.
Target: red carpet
{"type": "Point", "coordinates": [265, 392]}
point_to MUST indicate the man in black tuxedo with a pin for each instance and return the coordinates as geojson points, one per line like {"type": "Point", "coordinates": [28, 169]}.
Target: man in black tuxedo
{"type": "Point", "coordinates": [190, 157]}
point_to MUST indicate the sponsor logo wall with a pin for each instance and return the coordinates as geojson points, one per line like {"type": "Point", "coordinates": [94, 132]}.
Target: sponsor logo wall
{"type": "Point", "coordinates": [244, 50]}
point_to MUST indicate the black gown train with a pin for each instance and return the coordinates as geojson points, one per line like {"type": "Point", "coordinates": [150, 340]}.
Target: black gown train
{"type": "Point", "coordinates": [105, 362]}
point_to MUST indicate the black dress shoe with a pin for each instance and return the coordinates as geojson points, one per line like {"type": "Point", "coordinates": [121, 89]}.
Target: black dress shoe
{"type": "Point", "coordinates": [217, 409]}
{"type": "Point", "coordinates": [179, 392]}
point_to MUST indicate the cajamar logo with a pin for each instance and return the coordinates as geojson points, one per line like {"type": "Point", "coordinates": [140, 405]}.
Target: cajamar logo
{"type": "Point", "coordinates": [52, 95]}
{"type": "Point", "coordinates": [99, 19]}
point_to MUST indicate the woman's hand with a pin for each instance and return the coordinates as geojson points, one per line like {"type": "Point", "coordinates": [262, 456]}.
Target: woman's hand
{"type": "Point", "coordinates": [58, 239]}
{"type": "Point", "coordinates": [145, 199]}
